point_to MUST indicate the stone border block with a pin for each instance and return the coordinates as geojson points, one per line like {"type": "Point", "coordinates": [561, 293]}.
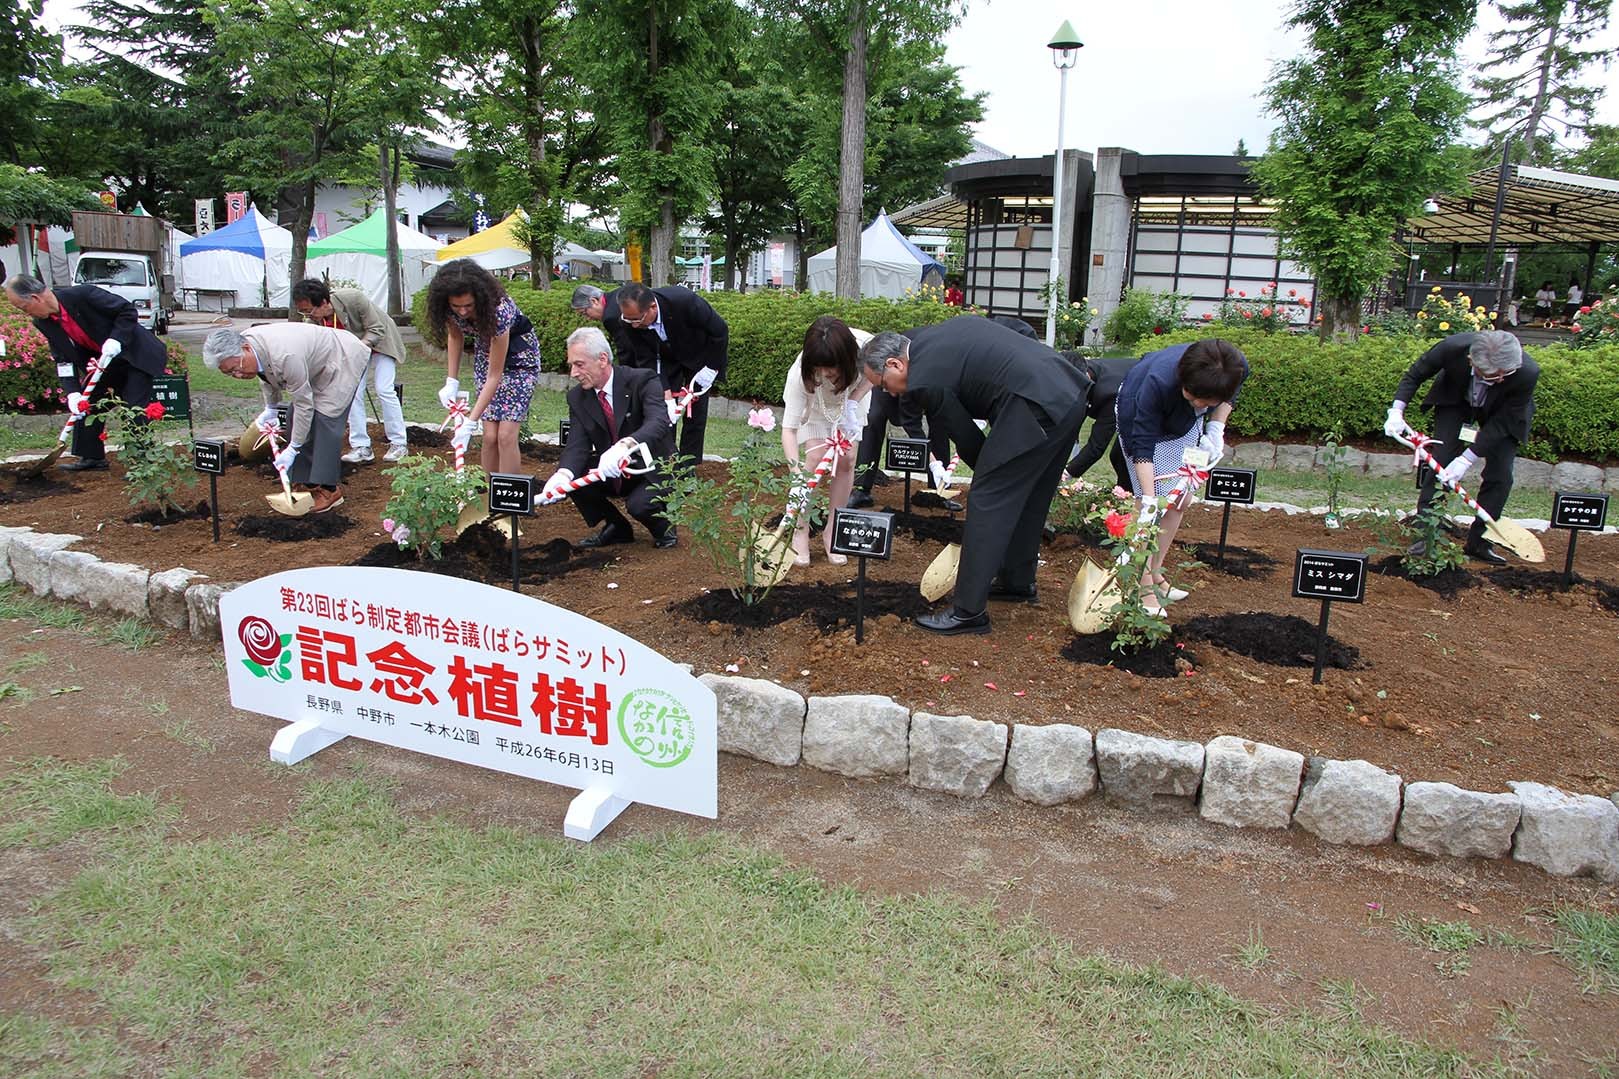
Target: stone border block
{"type": "Point", "coordinates": [1291, 457]}
{"type": "Point", "coordinates": [1249, 784]}
{"type": "Point", "coordinates": [1253, 455]}
{"type": "Point", "coordinates": [1573, 476]}
{"type": "Point", "coordinates": [1530, 473]}
{"type": "Point", "coordinates": [1569, 835]}
{"type": "Point", "coordinates": [31, 558]}
{"type": "Point", "coordinates": [1051, 764]}
{"type": "Point", "coordinates": [1348, 802]}
{"type": "Point", "coordinates": [1441, 818]}
{"type": "Point", "coordinates": [858, 735]}
{"type": "Point", "coordinates": [956, 754]}
{"type": "Point", "coordinates": [105, 586]}
{"type": "Point", "coordinates": [1354, 459]}
{"type": "Point", "coordinates": [7, 534]}
{"type": "Point", "coordinates": [202, 609]}
{"type": "Point", "coordinates": [1388, 465]}
{"type": "Point", "coordinates": [757, 719]}
{"type": "Point", "coordinates": [166, 596]}
{"type": "Point", "coordinates": [1138, 768]}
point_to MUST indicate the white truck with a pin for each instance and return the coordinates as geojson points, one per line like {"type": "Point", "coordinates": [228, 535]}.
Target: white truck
{"type": "Point", "coordinates": [123, 253]}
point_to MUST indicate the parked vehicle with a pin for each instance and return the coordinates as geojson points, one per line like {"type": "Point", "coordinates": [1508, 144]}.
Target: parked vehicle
{"type": "Point", "coordinates": [130, 275]}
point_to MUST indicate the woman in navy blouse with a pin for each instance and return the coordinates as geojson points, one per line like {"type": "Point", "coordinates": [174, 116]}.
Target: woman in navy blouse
{"type": "Point", "coordinates": [1172, 400]}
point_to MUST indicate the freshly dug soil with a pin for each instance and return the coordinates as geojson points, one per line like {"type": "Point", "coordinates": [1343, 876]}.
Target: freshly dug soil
{"type": "Point", "coordinates": [1460, 676]}
{"type": "Point", "coordinates": [1281, 640]}
{"type": "Point", "coordinates": [15, 487]}
{"type": "Point", "coordinates": [159, 518]}
{"type": "Point", "coordinates": [279, 528]}
{"type": "Point", "coordinates": [1447, 582]}
{"type": "Point", "coordinates": [829, 608]}
{"type": "Point", "coordinates": [1239, 561]}
{"type": "Point", "coordinates": [483, 554]}
{"type": "Point", "coordinates": [1166, 659]}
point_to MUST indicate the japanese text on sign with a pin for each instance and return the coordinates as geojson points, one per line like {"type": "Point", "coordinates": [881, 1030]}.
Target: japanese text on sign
{"type": "Point", "coordinates": [907, 454]}
{"type": "Point", "coordinates": [1334, 575]}
{"type": "Point", "coordinates": [861, 533]}
{"type": "Point", "coordinates": [1587, 513]}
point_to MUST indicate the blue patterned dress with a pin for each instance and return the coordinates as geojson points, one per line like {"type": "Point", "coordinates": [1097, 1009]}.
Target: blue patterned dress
{"type": "Point", "coordinates": [512, 397]}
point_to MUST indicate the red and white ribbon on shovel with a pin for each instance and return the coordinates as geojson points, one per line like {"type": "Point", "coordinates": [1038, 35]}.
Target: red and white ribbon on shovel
{"type": "Point", "coordinates": [949, 474]}
{"type": "Point", "coordinates": [596, 475]}
{"type": "Point", "coordinates": [686, 398]}
{"type": "Point", "coordinates": [92, 380]}
{"type": "Point", "coordinates": [837, 445]}
{"type": "Point", "coordinates": [1419, 444]}
{"type": "Point", "coordinates": [457, 420]}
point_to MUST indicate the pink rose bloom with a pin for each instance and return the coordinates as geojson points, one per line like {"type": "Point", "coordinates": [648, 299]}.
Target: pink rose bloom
{"type": "Point", "coordinates": [762, 418]}
{"type": "Point", "coordinates": [388, 525]}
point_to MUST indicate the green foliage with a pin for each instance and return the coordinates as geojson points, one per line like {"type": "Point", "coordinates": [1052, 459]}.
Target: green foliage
{"type": "Point", "coordinates": [1081, 509]}
{"type": "Point", "coordinates": [1395, 534]}
{"type": "Point", "coordinates": [1334, 466]}
{"type": "Point", "coordinates": [28, 381]}
{"type": "Point", "coordinates": [1073, 316]}
{"type": "Point", "coordinates": [156, 474]}
{"type": "Point", "coordinates": [28, 196]}
{"type": "Point", "coordinates": [1367, 115]}
{"type": "Point", "coordinates": [1131, 543]}
{"type": "Point", "coordinates": [1589, 939]}
{"type": "Point", "coordinates": [1533, 93]}
{"type": "Point", "coordinates": [426, 501]}
{"type": "Point", "coordinates": [724, 517]}
{"type": "Point", "coordinates": [1440, 317]}
{"type": "Point", "coordinates": [1144, 312]}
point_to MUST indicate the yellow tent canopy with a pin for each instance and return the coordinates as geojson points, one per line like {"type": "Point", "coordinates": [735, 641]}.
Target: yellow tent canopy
{"type": "Point", "coordinates": [495, 248]}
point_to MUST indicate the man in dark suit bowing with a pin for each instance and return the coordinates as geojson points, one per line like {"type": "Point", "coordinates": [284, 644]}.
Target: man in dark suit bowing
{"type": "Point", "coordinates": [1483, 399]}
{"type": "Point", "coordinates": [598, 306]}
{"type": "Point", "coordinates": [1107, 375]}
{"type": "Point", "coordinates": [609, 412]}
{"type": "Point", "coordinates": [674, 332]}
{"type": "Point", "coordinates": [84, 324]}
{"type": "Point", "coordinates": [967, 369]}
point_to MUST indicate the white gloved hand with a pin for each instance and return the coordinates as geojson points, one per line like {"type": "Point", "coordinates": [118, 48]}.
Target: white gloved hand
{"type": "Point", "coordinates": [1452, 473]}
{"type": "Point", "coordinates": [447, 392]}
{"type": "Point", "coordinates": [937, 472]}
{"type": "Point", "coordinates": [798, 498]}
{"type": "Point", "coordinates": [78, 404]}
{"type": "Point", "coordinates": [553, 489]}
{"type": "Point", "coordinates": [1394, 424]}
{"type": "Point", "coordinates": [110, 348]}
{"type": "Point", "coordinates": [612, 459]}
{"type": "Point", "coordinates": [702, 380]}
{"type": "Point", "coordinates": [1213, 440]}
{"type": "Point", "coordinates": [1148, 512]}
{"type": "Point", "coordinates": [284, 459]}
{"type": "Point", "coordinates": [850, 423]}
{"type": "Point", "coordinates": [674, 411]}
{"type": "Point", "coordinates": [268, 420]}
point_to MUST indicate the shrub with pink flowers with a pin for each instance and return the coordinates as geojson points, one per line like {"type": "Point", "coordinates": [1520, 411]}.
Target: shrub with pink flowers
{"type": "Point", "coordinates": [1268, 310]}
{"type": "Point", "coordinates": [1597, 322]}
{"type": "Point", "coordinates": [28, 381]}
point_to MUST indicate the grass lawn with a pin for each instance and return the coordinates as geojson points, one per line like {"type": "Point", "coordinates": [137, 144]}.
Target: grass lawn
{"type": "Point", "coordinates": [355, 940]}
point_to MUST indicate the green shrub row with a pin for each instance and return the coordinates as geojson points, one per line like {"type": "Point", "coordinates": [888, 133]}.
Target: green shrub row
{"type": "Point", "coordinates": [1299, 388]}
{"type": "Point", "coordinates": [28, 382]}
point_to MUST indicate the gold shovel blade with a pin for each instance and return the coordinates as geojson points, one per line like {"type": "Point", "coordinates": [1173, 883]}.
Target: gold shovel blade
{"type": "Point", "coordinates": [291, 504]}
{"type": "Point", "coordinates": [939, 579]}
{"type": "Point", "coordinates": [1517, 539]}
{"type": "Point", "coordinates": [472, 513]}
{"type": "Point", "coordinates": [37, 469]}
{"type": "Point", "coordinates": [772, 558]}
{"type": "Point", "coordinates": [252, 446]}
{"type": "Point", "coordinates": [1091, 598]}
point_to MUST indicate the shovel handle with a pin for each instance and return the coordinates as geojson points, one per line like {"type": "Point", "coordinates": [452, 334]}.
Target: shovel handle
{"type": "Point", "coordinates": [1418, 442]}
{"type": "Point", "coordinates": [792, 511]}
{"type": "Point", "coordinates": [96, 368]}
{"type": "Point", "coordinates": [596, 475]}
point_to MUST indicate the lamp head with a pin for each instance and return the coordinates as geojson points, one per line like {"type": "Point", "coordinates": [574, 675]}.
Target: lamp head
{"type": "Point", "coordinates": [1065, 46]}
{"type": "Point", "coordinates": [1430, 206]}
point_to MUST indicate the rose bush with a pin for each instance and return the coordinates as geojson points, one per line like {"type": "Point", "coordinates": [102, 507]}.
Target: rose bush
{"type": "Point", "coordinates": [28, 382]}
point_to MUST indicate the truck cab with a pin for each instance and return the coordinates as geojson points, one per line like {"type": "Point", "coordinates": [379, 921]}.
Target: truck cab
{"type": "Point", "coordinates": [131, 275]}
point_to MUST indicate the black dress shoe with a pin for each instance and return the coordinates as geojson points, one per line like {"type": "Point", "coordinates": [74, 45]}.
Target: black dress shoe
{"type": "Point", "coordinates": [1028, 594]}
{"type": "Point", "coordinates": [607, 537]}
{"type": "Point", "coordinates": [859, 500]}
{"type": "Point", "coordinates": [667, 540]}
{"type": "Point", "coordinates": [952, 621]}
{"type": "Point", "coordinates": [84, 465]}
{"type": "Point", "coordinates": [1481, 550]}
{"type": "Point", "coordinates": [1417, 549]}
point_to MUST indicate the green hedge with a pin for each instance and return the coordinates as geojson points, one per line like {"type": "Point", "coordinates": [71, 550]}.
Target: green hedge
{"type": "Point", "coordinates": [1299, 388]}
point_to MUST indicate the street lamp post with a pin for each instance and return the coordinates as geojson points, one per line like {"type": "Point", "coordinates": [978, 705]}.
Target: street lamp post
{"type": "Point", "coordinates": [1064, 48]}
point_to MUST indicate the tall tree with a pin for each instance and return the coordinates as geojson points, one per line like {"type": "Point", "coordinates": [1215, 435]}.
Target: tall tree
{"type": "Point", "coordinates": [26, 54]}
{"type": "Point", "coordinates": [859, 38]}
{"type": "Point", "coordinates": [1367, 115]}
{"type": "Point", "coordinates": [1535, 98]}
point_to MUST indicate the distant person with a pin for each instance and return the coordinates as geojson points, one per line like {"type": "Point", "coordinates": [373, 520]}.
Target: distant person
{"type": "Point", "coordinates": [352, 310]}
{"type": "Point", "coordinates": [598, 306]}
{"type": "Point", "coordinates": [675, 332]}
{"type": "Point", "coordinates": [465, 301]}
{"type": "Point", "coordinates": [1545, 298]}
{"type": "Point", "coordinates": [824, 393]}
{"type": "Point", "coordinates": [953, 294]}
{"type": "Point", "coordinates": [1484, 385]}
{"type": "Point", "coordinates": [1576, 296]}
{"type": "Point", "coordinates": [611, 410]}
{"type": "Point", "coordinates": [83, 324]}
{"type": "Point", "coordinates": [319, 369]}
{"type": "Point", "coordinates": [1106, 375]}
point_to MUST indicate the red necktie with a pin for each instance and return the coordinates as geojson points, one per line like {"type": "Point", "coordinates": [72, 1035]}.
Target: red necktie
{"type": "Point", "coordinates": [607, 410]}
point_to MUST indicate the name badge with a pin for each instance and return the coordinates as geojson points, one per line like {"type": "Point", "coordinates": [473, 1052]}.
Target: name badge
{"type": "Point", "coordinates": [65, 370]}
{"type": "Point", "coordinates": [1468, 433]}
{"type": "Point", "coordinates": [1196, 458]}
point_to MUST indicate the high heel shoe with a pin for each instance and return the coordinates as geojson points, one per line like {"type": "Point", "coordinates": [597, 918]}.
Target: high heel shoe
{"type": "Point", "coordinates": [837, 559]}
{"type": "Point", "coordinates": [1152, 605]}
{"type": "Point", "coordinates": [1168, 593]}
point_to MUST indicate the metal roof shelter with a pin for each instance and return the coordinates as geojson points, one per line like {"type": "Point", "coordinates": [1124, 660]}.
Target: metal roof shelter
{"type": "Point", "coordinates": [1541, 206]}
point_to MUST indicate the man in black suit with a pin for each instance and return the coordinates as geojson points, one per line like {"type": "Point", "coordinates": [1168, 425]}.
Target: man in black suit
{"type": "Point", "coordinates": [609, 411]}
{"type": "Point", "coordinates": [602, 307]}
{"type": "Point", "coordinates": [674, 332]}
{"type": "Point", "coordinates": [1106, 375]}
{"type": "Point", "coordinates": [967, 369]}
{"type": "Point", "coordinates": [84, 324]}
{"type": "Point", "coordinates": [884, 409]}
{"type": "Point", "coordinates": [1483, 399]}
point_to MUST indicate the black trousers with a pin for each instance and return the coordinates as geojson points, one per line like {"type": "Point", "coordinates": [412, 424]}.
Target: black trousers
{"type": "Point", "coordinates": [642, 500]}
{"type": "Point", "coordinates": [693, 427]}
{"type": "Point", "coordinates": [884, 409]}
{"type": "Point", "coordinates": [319, 462]}
{"type": "Point", "coordinates": [1496, 486]}
{"type": "Point", "coordinates": [130, 385]}
{"type": "Point", "coordinates": [1103, 430]}
{"type": "Point", "coordinates": [1007, 506]}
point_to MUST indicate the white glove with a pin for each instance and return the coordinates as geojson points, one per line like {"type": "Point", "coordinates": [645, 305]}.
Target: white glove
{"type": "Point", "coordinates": [612, 459]}
{"type": "Point", "coordinates": [78, 404]}
{"type": "Point", "coordinates": [461, 438]}
{"type": "Point", "coordinates": [936, 470]}
{"type": "Point", "coordinates": [1394, 424]}
{"type": "Point", "coordinates": [798, 498]}
{"type": "Point", "coordinates": [553, 489]}
{"type": "Point", "coordinates": [284, 459]}
{"type": "Point", "coordinates": [674, 411]}
{"type": "Point", "coordinates": [851, 424]}
{"type": "Point", "coordinates": [447, 392]}
{"type": "Point", "coordinates": [268, 420]}
{"type": "Point", "coordinates": [1452, 473]}
{"type": "Point", "coordinates": [1149, 511]}
{"type": "Point", "coordinates": [1213, 440]}
{"type": "Point", "coordinates": [110, 348]}
{"type": "Point", "coordinates": [702, 380]}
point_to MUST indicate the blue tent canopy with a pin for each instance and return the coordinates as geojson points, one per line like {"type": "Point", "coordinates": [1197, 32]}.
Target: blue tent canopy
{"type": "Point", "coordinates": [245, 234]}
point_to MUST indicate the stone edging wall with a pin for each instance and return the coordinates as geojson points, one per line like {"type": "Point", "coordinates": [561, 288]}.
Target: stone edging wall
{"type": "Point", "coordinates": [1229, 781]}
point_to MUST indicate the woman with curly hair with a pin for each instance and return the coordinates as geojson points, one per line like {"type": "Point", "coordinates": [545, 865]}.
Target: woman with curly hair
{"type": "Point", "coordinates": [465, 301]}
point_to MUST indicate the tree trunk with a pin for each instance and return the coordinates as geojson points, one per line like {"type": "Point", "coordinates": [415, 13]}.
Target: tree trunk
{"type": "Point", "coordinates": [1340, 317]}
{"type": "Point", "coordinates": [663, 244]}
{"type": "Point", "coordinates": [730, 260]}
{"type": "Point", "coordinates": [300, 242]}
{"type": "Point", "coordinates": [661, 237]}
{"type": "Point", "coordinates": [390, 200]}
{"type": "Point", "coordinates": [852, 155]}
{"type": "Point", "coordinates": [542, 240]}
{"type": "Point", "coordinates": [800, 256]}
{"type": "Point", "coordinates": [1537, 109]}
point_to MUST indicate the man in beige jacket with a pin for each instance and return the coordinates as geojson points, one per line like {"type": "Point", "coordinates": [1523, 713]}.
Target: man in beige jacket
{"type": "Point", "coordinates": [352, 310]}
{"type": "Point", "coordinates": [320, 370]}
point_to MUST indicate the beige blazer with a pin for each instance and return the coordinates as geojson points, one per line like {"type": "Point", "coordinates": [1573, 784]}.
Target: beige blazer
{"type": "Point", "coordinates": [318, 368]}
{"type": "Point", "coordinates": [368, 322]}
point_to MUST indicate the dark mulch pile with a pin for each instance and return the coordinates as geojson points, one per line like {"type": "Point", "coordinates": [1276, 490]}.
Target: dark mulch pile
{"type": "Point", "coordinates": [1550, 583]}
{"type": "Point", "coordinates": [1159, 661]}
{"type": "Point", "coordinates": [828, 607]}
{"type": "Point", "coordinates": [159, 517]}
{"type": "Point", "coordinates": [926, 529]}
{"type": "Point", "coordinates": [1239, 561]}
{"type": "Point", "coordinates": [483, 554]}
{"type": "Point", "coordinates": [14, 487]}
{"type": "Point", "coordinates": [541, 451]}
{"type": "Point", "coordinates": [278, 528]}
{"type": "Point", "coordinates": [1282, 640]}
{"type": "Point", "coordinates": [1446, 584]}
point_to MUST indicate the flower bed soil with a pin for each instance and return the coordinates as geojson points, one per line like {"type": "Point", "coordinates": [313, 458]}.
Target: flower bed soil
{"type": "Point", "coordinates": [1491, 684]}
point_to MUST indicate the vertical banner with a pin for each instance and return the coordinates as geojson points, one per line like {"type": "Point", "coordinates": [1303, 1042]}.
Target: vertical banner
{"type": "Point", "coordinates": [706, 282]}
{"type": "Point", "coordinates": [322, 229]}
{"type": "Point", "coordinates": [205, 216]}
{"type": "Point", "coordinates": [778, 260]}
{"type": "Point", "coordinates": [632, 256]}
{"type": "Point", "coordinates": [235, 206]}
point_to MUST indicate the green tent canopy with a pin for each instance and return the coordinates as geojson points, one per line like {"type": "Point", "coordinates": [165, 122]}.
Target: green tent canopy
{"type": "Point", "coordinates": [370, 237]}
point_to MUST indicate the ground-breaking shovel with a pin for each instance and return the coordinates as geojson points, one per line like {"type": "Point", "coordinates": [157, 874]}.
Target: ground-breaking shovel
{"type": "Point", "coordinates": [638, 462]}
{"type": "Point", "coordinates": [1509, 534]}
{"type": "Point", "coordinates": [37, 469]}
{"type": "Point", "coordinates": [290, 503]}
{"type": "Point", "coordinates": [772, 555]}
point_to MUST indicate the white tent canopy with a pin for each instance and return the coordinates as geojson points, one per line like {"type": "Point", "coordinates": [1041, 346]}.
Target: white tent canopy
{"type": "Point", "coordinates": [249, 256]}
{"type": "Point", "coordinates": [889, 263]}
{"type": "Point", "coordinates": [360, 254]}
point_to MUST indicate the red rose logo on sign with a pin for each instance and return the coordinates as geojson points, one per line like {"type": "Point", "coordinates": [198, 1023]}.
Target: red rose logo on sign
{"type": "Point", "coordinates": [268, 653]}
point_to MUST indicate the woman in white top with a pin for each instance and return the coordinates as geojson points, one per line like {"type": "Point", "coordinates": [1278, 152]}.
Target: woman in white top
{"type": "Point", "coordinates": [1576, 296]}
{"type": "Point", "coordinates": [1545, 297]}
{"type": "Point", "coordinates": [824, 392]}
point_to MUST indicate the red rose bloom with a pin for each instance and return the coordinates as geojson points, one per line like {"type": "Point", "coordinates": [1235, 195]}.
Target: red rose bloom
{"type": "Point", "coordinates": [1266, 312]}
{"type": "Point", "coordinates": [155, 410]}
{"type": "Point", "coordinates": [1116, 524]}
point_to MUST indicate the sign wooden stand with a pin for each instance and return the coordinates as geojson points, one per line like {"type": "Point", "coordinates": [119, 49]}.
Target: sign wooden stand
{"type": "Point", "coordinates": [1328, 576]}
{"type": "Point", "coordinates": [864, 535]}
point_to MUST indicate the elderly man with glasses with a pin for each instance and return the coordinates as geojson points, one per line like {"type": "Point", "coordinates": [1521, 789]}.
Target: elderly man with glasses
{"type": "Point", "coordinates": [1483, 399]}
{"type": "Point", "coordinates": [320, 370]}
{"type": "Point", "coordinates": [84, 325]}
